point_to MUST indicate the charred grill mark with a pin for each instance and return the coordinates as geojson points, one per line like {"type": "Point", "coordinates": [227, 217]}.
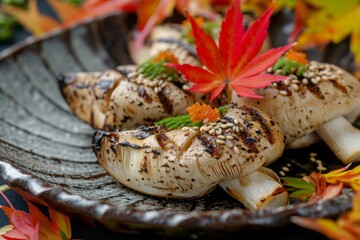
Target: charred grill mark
{"type": "Point", "coordinates": [145, 131]}
{"type": "Point", "coordinates": [282, 87]}
{"type": "Point", "coordinates": [155, 153]}
{"type": "Point", "coordinates": [143, 94]}
{"type": "Point", "coordinates": [248, 140]}
{"type": "Point", "coordinates": [144, 166]}
{"type": "Point", "coordinates": [104, 84]}
{"type": "Point", "coordinates": [257, 116]}
{"type": "Point", "coordinates": [315, 90]}
{"type": "Point", "coordinates": [97, 137]}
{"type": "Point", "coordinates": [163, 141]}
{"type": "Point", "coordinates": [132, 145]}
{"type": "Point", "coordinates": [81, 85]}
{"type": "Point", "coordinates": [125, 119]}
{"type": "Point", "coordinates": [165, 101]}
{"type": "Point", "coordinates": [65, 79]}
{"type": "Point", "coordinates": [125, 71]}
{"type": "Point", "coordinates": [339, 86]}
{"type": "Point", "coordinates": [210, 145]}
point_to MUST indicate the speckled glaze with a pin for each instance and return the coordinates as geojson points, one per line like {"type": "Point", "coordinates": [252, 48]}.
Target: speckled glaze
{"type": "Point", "coordinates": [46, 155]}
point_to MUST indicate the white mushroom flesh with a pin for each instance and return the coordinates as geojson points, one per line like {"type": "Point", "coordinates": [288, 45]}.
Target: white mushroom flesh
{"type": "Point", "coordinates": [189, 163]}
{"type": "Point", "coordinates": [259, 189]}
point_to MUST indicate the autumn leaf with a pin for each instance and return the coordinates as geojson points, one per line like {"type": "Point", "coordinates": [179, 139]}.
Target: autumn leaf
{"type": "Point", "coordinates": [95, 8]}
{"type": "Point", "coordinates": [64, 10]}
{"type": "Point", "coordinates": [34, 225]}
{"type": "Point", "coordinates": [349, 177]}
{"type": "Point", "coordinates": [152, 12]}
{"type": "Point", "coordinates": [31, 18]}
{"type": "Point", "coordinates": [235, 62]}
{"type": "Point", "coordinates": [346, 227]}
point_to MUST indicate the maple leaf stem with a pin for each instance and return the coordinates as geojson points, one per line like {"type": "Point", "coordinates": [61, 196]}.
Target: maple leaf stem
{"type": "Point", "coordinates": [6, 199]}
{"type": "Point", "coordinates": [228, 92]}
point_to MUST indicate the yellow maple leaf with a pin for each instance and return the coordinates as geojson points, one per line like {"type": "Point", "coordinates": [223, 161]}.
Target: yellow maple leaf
{"type": "Point", "coordinates": [346, 227]}
{"type": "Point", "coordinates": [31, 18]}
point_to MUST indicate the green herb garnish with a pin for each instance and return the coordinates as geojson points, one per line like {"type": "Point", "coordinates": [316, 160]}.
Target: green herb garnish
{"type": "Point", "coordinates": [155, 67]}
{"type": "Point", "coordinates": [290, 67]}
{"type": "Point", "coordinates": [185, 120]}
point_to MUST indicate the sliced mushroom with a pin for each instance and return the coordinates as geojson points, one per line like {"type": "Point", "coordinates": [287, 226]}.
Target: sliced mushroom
{"type": "Point", "coordinates": [189, 163]}
{"type": "Point", "coordinates": [302, 106]}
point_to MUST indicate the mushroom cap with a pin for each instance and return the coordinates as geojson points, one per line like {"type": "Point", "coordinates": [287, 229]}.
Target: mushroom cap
{"type": "Point", "coordinates": [181, 164]}
{"type": "Point", "coordinates": [300, 107]}
{"type": "Point", "coordinates": [166, 37]}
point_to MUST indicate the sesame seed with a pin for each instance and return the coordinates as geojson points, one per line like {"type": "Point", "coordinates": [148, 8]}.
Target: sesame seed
{"type": "Point", "coordinates": [218, 132]}
{"type": "Point", "coordinates": [288, 164]}
{"type": "Point", "coordinates": [274, 84]}
{"type": "Point", "coordinates": [229, 124]}
{"type": "Point", "coordinates": [313, 154]}
{"type": "Point", "coordinates": [213, 124]}
{"type": "Point", "coordinates": [221, 137]}
{"type": "Point", "coordinates": [283, 92]}
{"type": "Point", "coordinates": [206, 120]}
{"type": "Point", "coordinates": [305, 81]}
{"type": "Point", "coordinates": [229, 137]}
{"type": "Point", "coordinates": [223, 126]}
{"type": "Point", "coordinates": [216, 127]}
{"type": "Point", "coordinates": [229, 143]}
{"type": "Point", "coordinates": [212, 131]}
{"type": "Point", "coordinates": [295, 87]}
{"type": "Point", "coordinates": [192, 130]}
{"type": "Point", "coordinates": [195, 128]}
{"type": "Point", "coordinates": [287, 82]}
{"type": "Point", "coordinates": [219, 141]}
{"type": "Point", "coordinates": [236, 121]}
{"type": "Point", "coordinates": [286, 169]}
{"type": "Point", "coordinates": [313, 159]}
{"type": "Point", "coordinates": [236, 149]}
{"type": "Point", "coordinates": [185, 128]}
{"type": "Point", "coordinates": [314, 81]}
{"type": "Point", "coordinates": [281, 173]}
{"type": "Point", "coordinates": [185, 87]}
{"type": "Point", "coordinates": [319, 162]}
{"type": "Point", "coordinates": [132, 74]}
{"type": "Point", "coordinates": [321, 168]}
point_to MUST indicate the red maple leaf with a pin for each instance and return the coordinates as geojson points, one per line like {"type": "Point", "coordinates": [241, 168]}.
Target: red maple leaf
{"type": "Point", "coordinates": [236, 61]}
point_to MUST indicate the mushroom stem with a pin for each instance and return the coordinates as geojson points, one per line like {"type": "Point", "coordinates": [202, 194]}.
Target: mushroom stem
{"type": "Point", "coordinates": [342, 138]}
{"type": "Point", "coordinates": [259, 189]}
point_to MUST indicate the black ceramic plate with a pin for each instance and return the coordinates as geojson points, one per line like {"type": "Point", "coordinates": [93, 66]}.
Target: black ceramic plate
{"type": "Point", "coordinates": [46, 155]}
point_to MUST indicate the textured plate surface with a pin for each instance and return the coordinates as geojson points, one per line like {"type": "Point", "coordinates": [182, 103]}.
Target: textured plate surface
{"type": "Point", "coordinates": [46, 155]}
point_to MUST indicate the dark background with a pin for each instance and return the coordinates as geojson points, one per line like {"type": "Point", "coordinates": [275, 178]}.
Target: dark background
{"type": "Point", "coordinates": [82, 230]}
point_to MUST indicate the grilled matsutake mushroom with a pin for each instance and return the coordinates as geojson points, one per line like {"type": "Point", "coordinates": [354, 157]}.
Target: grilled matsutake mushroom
{"type": "Point", "coordinates": [168, 37]}
{"type": "Point", "coordinates": [190, 162]}
{"type": "Point", "coordinates": [122, 99]}
{"type": "Point", "coordinates": [316, 101]}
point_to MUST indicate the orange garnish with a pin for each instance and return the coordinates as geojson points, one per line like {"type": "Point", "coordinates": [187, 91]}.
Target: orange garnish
{"type": "Point", "coordinates": [296, 56]}
{"type": "Point", "coordinates": [200, 112]}
{"type": "Point", "coordinates": [165, 56]}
